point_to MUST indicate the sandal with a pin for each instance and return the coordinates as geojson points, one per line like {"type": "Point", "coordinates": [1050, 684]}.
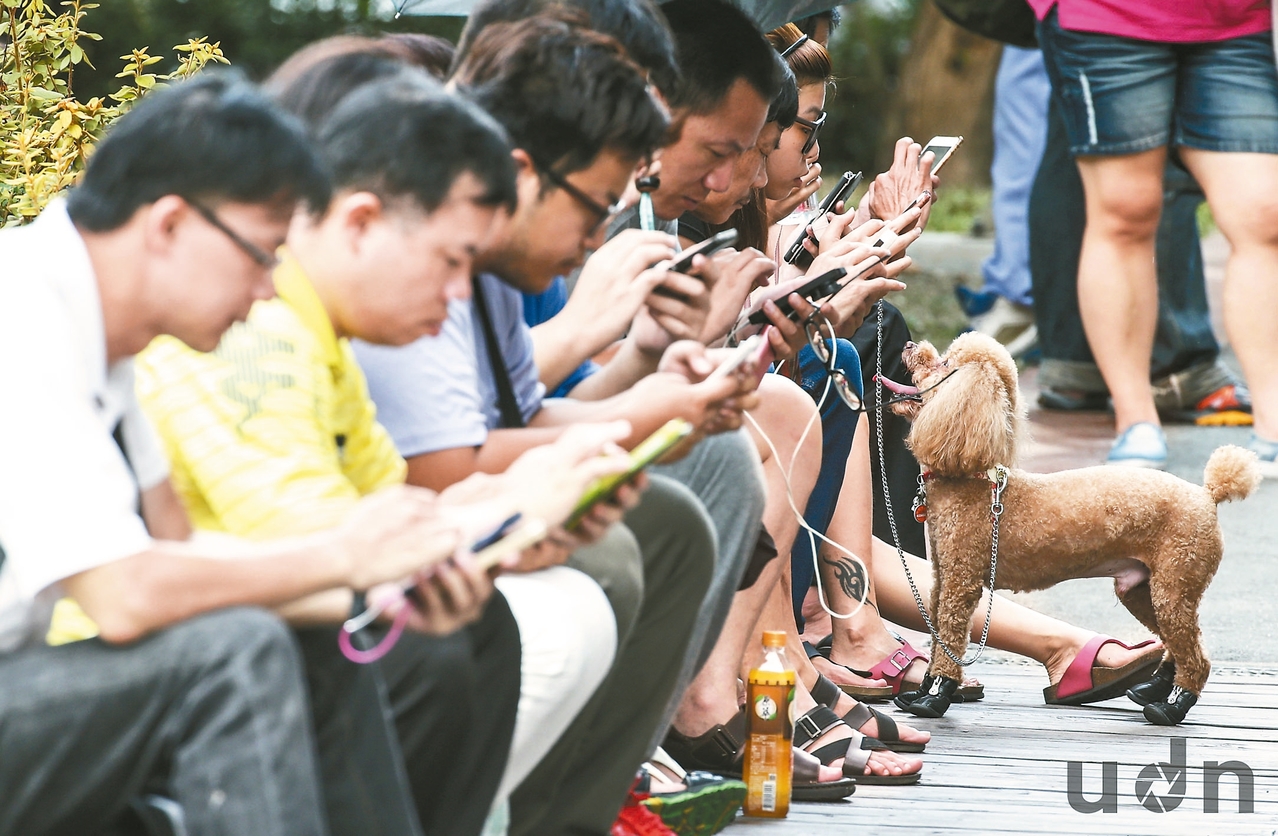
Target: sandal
{"type": "Point", "coordinates": [827, 693]}
{"type": "Point", "coordinates": [1085, 682]}
{"type": "Point", "coordinates": [721, 751]}
{"type": "Point", "coordinates": [856, 758]}
{"type": "Point", "coordinates": [893, 667]}
{"type": "Point", "coordinates": [861, 692]}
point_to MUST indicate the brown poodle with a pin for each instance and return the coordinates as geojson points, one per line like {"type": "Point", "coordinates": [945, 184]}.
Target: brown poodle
{"type": "Point", "coordinates": [1155, 534]}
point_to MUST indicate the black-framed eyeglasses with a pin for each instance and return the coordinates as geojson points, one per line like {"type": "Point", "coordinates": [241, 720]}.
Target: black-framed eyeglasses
{"type": "Point", "coordinates": [813, 128]}
{"type": "Point", "coordinates": [602, 213]}
{"type": "Point", "coordinates": [263, 259]}
{"type": "Point", "coordinates": [824, 344]}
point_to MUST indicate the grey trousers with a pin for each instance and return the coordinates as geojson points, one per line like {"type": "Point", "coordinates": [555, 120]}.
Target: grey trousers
{"type": "Point", "coordinates": [211, 712]}
{"type": "Point", "coordinates": [725, 474]}
{"type": "Point", "coordinates": [655, 570]}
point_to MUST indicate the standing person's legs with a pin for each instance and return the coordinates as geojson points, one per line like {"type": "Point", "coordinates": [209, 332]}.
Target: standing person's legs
{"type": "Point", "coordinates": [454, 701]}
{"type": "Point", "coordinates": [211, 711]}
{"type": "Point", "coordinates": [1117, 96]}
{"type": "Point", "coordinates": [579, 786]}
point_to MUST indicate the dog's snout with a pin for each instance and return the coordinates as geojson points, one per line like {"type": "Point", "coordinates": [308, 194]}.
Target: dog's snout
{"type": "Point", "coordinates": [910, 346]}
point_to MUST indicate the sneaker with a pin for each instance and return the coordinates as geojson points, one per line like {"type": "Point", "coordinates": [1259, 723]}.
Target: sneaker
{"type": "Point", "coordinates": [1267, 454]}
{"type": "Point", "coordinates": [1140, 445]}
{"type": "Point", "coordinates": [1228, 406]}
{"type": "Point", "coordinates": [637, 820]}
{"type": "Point", "coordinates": [1073, 400]}
{"type": "Point", "coordinates": [708, 805]}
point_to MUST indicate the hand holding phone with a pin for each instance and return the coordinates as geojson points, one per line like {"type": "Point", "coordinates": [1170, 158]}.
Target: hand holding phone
{"type": "Point", "coordinates": [942, 148]}
{"type": "Point", "coordinates": [682, 263]}
{"type": "Point", "coordinates": [846, 185]}
{"type": "Point", "coordinates": [822, 286]}
{"type": "Point", "coordinates": [645, 453]}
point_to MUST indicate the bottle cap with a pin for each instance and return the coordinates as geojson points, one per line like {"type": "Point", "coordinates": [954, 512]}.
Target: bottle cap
{"type": "Point", "coordinates": [774, 638]}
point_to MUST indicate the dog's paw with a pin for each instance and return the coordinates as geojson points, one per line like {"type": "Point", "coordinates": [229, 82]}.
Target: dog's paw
{"type": "Point", "coordinates": [1170, 711]}
{"type": "Point", "coordinates": [1156, 688]}
{"type": "Point", "coordinates": [932, 699]}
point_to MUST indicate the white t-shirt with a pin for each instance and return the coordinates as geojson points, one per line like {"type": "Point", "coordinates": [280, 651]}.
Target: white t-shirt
{"type": "Point", "coordinates": [68, 497]}
{"type": "Point", "coordinates": [438, 393]}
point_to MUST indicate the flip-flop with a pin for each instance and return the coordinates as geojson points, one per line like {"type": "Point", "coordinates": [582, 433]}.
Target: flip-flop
{"type": "Point", "coordinates": [1085, 682]}
{"type": "Point", "coordinates": [879, 693]}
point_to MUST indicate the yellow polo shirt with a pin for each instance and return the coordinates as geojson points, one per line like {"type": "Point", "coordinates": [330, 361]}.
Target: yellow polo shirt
{"type": "Point", "coordinates": [273, 433]}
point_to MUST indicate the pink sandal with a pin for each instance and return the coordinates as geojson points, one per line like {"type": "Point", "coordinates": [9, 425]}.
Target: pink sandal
{"type": "Point", "coordinates": [1084, 682]}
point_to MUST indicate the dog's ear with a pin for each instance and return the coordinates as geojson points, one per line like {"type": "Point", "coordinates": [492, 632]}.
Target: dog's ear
{"type": "Point", "coordinates": [967, 425]}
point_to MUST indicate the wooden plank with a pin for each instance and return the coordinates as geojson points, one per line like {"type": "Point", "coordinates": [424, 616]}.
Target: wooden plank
{"type": "Point", "coordinates": [1000, 766]}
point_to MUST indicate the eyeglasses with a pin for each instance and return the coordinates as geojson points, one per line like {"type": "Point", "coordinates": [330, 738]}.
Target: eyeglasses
{"type": "Point", "coordinates": [263, 259]}
{"type": "Point", "coordinates": [824, 344]}
{"type": "Point", "coordinates": [813, 128]}
{"type": "Point", "coordinates": [602, 213]}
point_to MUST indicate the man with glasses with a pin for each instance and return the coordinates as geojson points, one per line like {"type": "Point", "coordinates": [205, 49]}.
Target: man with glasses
{"type": "Point", "coordinates": [187, 687]}
{"type": "Point", "coordinates": [580, 113]}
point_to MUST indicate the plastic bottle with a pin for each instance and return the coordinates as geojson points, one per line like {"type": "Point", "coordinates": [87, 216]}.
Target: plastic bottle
{"type": "Point", "coordinates": [769, 730]}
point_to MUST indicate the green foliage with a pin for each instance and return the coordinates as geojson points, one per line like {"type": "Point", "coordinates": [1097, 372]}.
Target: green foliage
{"type": "Point", "coordinates": [46, 131]}
{"type": "Point", "coordinates": [868, 50]}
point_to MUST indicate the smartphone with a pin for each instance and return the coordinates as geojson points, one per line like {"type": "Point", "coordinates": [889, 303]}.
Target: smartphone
{"type": "Point", "coordinates": [683, 261]}
{"type": "Point", "coordinates": [822, 286]}
{"type": "Point", "coordinates": [739, 356]}
{"type": "Point", "coordinates": [512, 541]}
{"type": "Point", "coordinates": [889, 233]}
{"type": "Point", "coordinates": [943, 147]}
{"type": "Point", "coordinates": [648, 451]}
{"type": "Point", "coordinates": [846, 185]}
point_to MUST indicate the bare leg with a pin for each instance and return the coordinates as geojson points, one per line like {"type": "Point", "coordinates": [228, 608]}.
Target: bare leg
{"type": "Point", "coordinates": [1117, 283]}
{"type": "Point", "coordinates": [1240, 191]}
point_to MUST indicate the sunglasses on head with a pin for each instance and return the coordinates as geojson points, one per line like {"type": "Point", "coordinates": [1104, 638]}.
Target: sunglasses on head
{"type": "Point", "coordinates": [822, 338]}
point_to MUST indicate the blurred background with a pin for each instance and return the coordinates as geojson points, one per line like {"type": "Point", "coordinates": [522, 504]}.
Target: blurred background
{"type": "Point", "coordinates": [901, 69]}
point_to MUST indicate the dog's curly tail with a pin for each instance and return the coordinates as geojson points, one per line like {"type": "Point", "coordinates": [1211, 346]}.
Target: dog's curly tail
{"type": "Point", "coordinates": [1231, 474]}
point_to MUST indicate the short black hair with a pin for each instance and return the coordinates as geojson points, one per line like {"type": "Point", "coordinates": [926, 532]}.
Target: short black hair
{"type": "Point", "coordinates": [717, 45]}
{"type": "Point", "coordinates": [404, 136]}
{"type": "Point", "coordinates": [564, 93]}
{"type": "Point", "coordinates": [309, 85]}
{"type": "Point", "coordinates": [213, 138]}
{"type": "Point", "coordinates": [832, 17]}
{"type": "Point", "coordinates": [636, 24]}
{"type": "Point", "coordinates": [784, 108]}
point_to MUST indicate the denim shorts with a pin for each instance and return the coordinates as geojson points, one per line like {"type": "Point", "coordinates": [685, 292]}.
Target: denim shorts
{"type": "Point", "coordinates": [1123, 96]}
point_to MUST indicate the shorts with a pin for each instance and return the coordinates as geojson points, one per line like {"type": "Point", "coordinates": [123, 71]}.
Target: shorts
{"type": "Point", "coordinates": [1124, 96]}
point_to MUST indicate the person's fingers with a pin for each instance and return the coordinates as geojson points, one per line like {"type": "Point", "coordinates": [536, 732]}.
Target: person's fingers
{"type": "Point", "coordinates": [895, 268]}
{"type": "Point", "coordinates": [688, 287]}
{"type": "Point", "coordinates": [899, 152]}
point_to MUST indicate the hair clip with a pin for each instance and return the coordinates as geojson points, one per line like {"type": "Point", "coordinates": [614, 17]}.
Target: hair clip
{"type": "Point", "coordinates": [785, 53]}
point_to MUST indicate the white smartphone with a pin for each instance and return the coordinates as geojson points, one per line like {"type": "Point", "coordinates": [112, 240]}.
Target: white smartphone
{"type": "Point", "coordinates": [942, 147]}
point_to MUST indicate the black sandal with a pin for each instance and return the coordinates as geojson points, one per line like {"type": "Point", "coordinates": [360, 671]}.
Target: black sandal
{"type": "Point", "coordinates": [820, 720]}
{"type": "Point", "coordinates": [827, 693]}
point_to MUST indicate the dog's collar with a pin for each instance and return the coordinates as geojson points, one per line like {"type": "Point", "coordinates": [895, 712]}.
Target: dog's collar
{"type": "Point", "coordinates": [992, 475]}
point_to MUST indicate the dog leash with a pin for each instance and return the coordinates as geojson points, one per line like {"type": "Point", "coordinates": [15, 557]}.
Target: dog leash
{"type": "Point", "coordinates": [998, 482]}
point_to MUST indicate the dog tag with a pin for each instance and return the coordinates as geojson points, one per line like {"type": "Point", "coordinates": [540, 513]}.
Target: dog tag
{"type": "Point", "coordinates": [920, 510]}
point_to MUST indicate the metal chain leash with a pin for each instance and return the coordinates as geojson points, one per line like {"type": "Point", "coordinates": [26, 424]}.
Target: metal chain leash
{"type": "Point", "coordinates": [996, 511]}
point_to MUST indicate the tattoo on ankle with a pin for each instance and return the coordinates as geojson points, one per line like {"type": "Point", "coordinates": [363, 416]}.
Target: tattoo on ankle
{"type": "Point", "coordinates": [849, 573]}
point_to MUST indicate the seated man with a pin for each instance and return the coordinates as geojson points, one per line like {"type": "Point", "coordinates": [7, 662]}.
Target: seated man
{"type": "Point", "coordinates": [187, 689]}
{"type": "Point", "coordinates": [581, 116]}
{"type": "Point", "coordinates": [273, 433]}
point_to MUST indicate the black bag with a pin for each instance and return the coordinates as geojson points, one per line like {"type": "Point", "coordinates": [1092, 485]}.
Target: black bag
{"type": "Point", "coordinates": [1009, 21]}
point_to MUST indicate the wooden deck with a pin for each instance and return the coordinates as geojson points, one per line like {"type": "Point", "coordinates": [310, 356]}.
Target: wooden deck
{"type": "Point", "coordinates": [1000, 766]}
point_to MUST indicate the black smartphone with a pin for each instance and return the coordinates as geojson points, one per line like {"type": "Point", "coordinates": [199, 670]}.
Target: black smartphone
{"type": "Point", "coordinates": [822, 286]}
{"type": "Point", "coordinates": [846, 185]}
{"type": "Point", "coordinates": [683, 261]}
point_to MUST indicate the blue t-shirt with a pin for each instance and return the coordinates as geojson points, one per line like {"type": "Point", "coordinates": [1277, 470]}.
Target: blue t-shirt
{"type": "Point", "coordinates": [438, 393]}
{"type": "Point", "coordinates": [541, 307]}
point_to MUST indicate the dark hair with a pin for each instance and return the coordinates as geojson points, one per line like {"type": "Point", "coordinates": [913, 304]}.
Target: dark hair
{"type": "Point", "coordinates": [831, 17]}
{"type": "Point", "coordinates": [404, 136]}
{"type": "Point", "coordinates": [717, 45]}
{"type": "Point", "coordinates": [314, 79]}
{"type": "Point", "coordinates": [784, 108]}
{"type": "Point", "coordinates": [810, 62]}
{"type": "Point", "coordinates": [430, 52]}
{"type": "Point", "coordinates": [636, 24]}
{"type": "Point", "coordinates": [213, 138]}
{"type": "Point", "coordinates": [565, 93]}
